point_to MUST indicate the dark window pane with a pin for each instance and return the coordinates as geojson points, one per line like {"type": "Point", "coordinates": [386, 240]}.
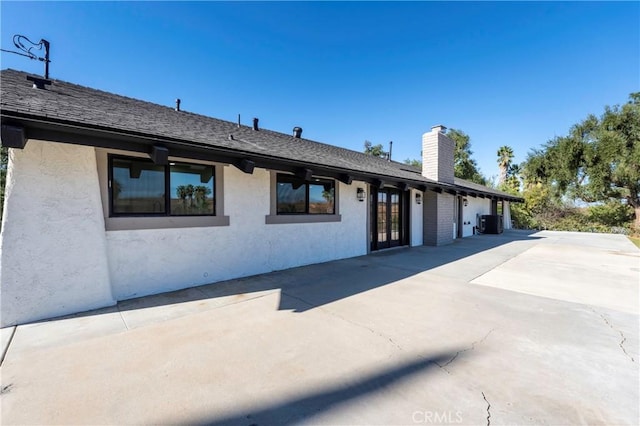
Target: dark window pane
{"type": "Point", "coordinates": [321, 198]}
{"type": "Point", "coordinates": [192, 189]}
{"type": "Point", "coordinates": [291, 195]}
{"type": "Point", "coordinates": [395, 216]}
{"type": "Point", "coordinates": [297, 196]}
{"type": "Point", "coordinates": [137, 187]}
{"type": "Point", "coordinates": [382, 217]}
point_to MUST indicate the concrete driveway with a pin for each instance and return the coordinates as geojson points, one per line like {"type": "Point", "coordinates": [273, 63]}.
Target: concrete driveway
{"type": "Point", "coordinates": [518, 328]}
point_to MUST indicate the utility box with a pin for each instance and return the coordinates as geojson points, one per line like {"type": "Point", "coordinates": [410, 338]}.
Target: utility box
{"type": "Point", "coordinates": [491, 224]}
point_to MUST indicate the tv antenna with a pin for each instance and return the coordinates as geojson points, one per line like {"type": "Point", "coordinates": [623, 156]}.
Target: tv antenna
{"type": "Point", "coordinates": [27, 46]}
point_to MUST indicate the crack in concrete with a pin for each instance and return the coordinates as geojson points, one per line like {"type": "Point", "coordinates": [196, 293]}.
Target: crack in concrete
{"type": "Point", "coordinates": [473, 346]}
{"type": "Point", "coordinates": [371, 330]}
{"type": "Point", "coordinates": [389, 339]}
{"type": "Point", "coordinates": [488, 408]}
{"type": "Point", "coordinates": [624, 339]}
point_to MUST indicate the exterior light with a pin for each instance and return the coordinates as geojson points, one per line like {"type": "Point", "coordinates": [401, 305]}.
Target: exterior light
{"type": "Point", "coordinates": [465, 202]}
{"type": "Point", "coordinates": [418, 198]}
{"type": "Point", "coordinates": [361, 194]}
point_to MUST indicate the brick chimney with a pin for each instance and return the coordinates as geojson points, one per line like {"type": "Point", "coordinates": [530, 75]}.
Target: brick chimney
{"type": "Point", "coordinates": [437, 155]}
{"type": "Point", "coordinates": [437, 164]}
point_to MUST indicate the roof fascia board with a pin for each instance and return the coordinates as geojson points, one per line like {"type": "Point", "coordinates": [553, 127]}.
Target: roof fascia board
{"type": "Point", "coordinates": [63, 133]}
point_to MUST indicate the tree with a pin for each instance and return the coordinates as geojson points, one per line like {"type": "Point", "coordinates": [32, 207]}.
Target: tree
{"type": "Point", "coordinates": [465, 167]}
{"type": "Point", "coordinates": [613, 157]}
{"type": "Point", "coordinates": [512, 183]}
{"type": "Point", "coordinates": [414, 163]}
{"type": "Point", "coordinates": [505, 156]}
{"type": "Point", "coordinates": [201, 193]}
{"type": "Point", "coordinates": [189, 191]}
{"type": "Point", "coordinates": [181, 192]}
{"type": "Point", "coordinates": [375, 150]}
{"type": "Point", "coordinates": [598, 161]}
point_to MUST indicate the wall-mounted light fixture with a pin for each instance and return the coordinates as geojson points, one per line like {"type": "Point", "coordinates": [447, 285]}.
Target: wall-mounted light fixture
{"type": "Point", "coordinates": [418, 198]}
{"type": "Point", "coordinates": [465, 202]}
{"type": "Point", "coordinates": [361, 194]}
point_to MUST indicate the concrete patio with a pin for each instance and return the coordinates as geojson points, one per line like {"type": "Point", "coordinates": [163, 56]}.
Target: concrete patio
{"type": "Point", "coordinates": [518, 328]}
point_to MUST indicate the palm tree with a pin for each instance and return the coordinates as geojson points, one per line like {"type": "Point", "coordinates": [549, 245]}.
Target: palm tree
{"type": "Point", "coordinates": [181, 192]}
{"type": "Point", "coordinates": [189, 190]}
{"type": "Point", "coordinates": [201, 193]}
{"type": "Point", "coordinates": [505, 155]}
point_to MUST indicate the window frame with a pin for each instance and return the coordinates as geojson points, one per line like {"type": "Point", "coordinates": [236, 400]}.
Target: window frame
{"type": "Point", "coordinates": [275, 218]}
{"type": "Point", "coordinates": [307, 184]}
{"type": "Point", "coordinates": [142, 222]}
{"type": "Point", "coordinates": [167, 188]}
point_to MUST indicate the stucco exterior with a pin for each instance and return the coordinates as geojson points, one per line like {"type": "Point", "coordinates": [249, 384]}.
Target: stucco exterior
{"type": "Point", "coordinates": [53, 258]}
{"type": "Point", "coordinates": [58, 258]}
{"type": "Point", "coordinates": [63, 251]}
{"type": "Point", "coordinates": [475, 208]}
{"type": "Point", "coordinates": [150, 261]}
{"type": "Point", "coordinates": [58, 254]}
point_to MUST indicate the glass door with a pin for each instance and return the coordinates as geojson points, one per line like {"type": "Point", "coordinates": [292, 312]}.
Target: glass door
{"type": "Point", "coordinates": [387, 219]}
{"type": "Point", "coordinates": [383, 232]}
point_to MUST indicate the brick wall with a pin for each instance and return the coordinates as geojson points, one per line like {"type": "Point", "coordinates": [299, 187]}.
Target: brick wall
{"type": "Point", "coordinates": [437, 164]}
{"type": "Point", "coordinates": [437, 155]}
{"type": "Point", "coordinates": [438, 218]}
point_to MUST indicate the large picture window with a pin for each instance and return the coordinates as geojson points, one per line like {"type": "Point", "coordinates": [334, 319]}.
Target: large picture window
{"type": "Point", "coordinates": [297, 196]}
{"type": "Point", "coordinates": [138, 187]}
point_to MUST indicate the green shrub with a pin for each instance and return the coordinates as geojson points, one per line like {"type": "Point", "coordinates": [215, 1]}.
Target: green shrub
{"type": "Point", "coordinates": [612, 213]}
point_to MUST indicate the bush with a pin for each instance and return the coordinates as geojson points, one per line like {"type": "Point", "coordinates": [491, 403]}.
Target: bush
{"type": "Point", "coordinates": [612, 213]}
{"type": "Point", "coordinates": [606, 219]}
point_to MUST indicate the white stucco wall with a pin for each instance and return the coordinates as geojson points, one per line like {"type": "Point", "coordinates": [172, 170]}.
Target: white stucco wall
{"type": "Point", "coordinates": [416, 218]}
{"type": "Point", "coordinates": [144, 262]}
{"type": "Point", "coordinates": [56, 257]}
{"type": "Point", "coordinates": [52, 245]}
{"type": "Point", "coordinates": [475, 207]}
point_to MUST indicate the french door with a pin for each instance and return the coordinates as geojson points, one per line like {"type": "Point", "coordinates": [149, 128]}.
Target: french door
{"type": "Point", "coordinates": [389, 226]}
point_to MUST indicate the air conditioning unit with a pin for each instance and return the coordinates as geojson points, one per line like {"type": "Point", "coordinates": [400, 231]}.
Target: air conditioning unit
{"type": "Point", "coordinates": [491, 224]}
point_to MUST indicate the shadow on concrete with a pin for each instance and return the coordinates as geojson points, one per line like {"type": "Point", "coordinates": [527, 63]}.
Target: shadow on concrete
{"type": "Point", "coordinates": [312, 404]}
{"type": "Point", "coordinates": [315, 285]}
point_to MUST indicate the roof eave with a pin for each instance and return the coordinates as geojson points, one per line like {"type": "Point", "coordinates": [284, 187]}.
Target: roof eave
{"type": "Point", "coordinates": [45, 128]}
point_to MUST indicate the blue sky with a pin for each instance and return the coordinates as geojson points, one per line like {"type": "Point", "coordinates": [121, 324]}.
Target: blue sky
{"type": "Point", "coordinates": [506, 73]}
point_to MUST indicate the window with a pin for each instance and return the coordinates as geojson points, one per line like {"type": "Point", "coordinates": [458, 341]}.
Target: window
{"type": "Point", "coordinates": [297, 196]}
{"type": "Point", "coordinates": [138, 187]}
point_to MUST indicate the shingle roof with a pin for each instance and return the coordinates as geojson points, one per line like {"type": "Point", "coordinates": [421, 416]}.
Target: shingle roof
{"type": "Point", "coordinates": [71, 104]}
{"type": "Point", "coordinates": [476, 187]}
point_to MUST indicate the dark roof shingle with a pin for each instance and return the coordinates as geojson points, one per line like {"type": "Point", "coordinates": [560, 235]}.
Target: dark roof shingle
{"type": "Point", "coordinates": [71, 104]}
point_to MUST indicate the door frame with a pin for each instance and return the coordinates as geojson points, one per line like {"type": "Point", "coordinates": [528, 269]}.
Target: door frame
{"type": "Point", "coordinates": [404, 217]}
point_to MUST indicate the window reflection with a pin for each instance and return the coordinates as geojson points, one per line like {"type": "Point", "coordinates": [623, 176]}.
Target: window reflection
{"type": "Point", "coordinates": [291, 198]}
{"type": "Point", "coordinates": [297, 196]}
{"type": "Point", "coordinates": [138, 187]}
{"type": "Point", "coordinates": [321, 199]}
{"type": "Point", "coordinates": [192, 190]}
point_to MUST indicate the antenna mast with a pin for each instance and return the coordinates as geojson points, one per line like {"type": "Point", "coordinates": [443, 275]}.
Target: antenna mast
{"type": "Point", "coordinates": [19, 41]}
